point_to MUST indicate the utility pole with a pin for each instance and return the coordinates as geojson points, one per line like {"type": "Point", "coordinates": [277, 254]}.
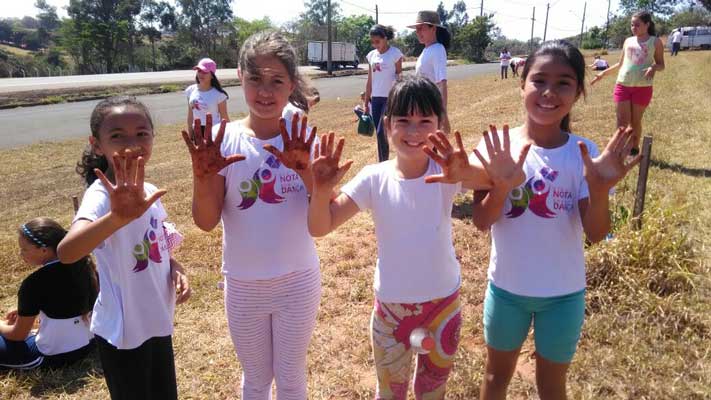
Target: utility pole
{"type": "Point", "coordinates": [607, 26]}
{"type": "Point", "coordinates": [545, 27]}
{"type": "Point", "coordinates": [582, 26]}
{"type": "Point", "coordinates": [329, 66]}
{"type": "Point", "coordinates": [376, 14]}
{"type": "Point", "coordinates": [533, 21]}
{"type": "Point", "coordinates": [481, 10]}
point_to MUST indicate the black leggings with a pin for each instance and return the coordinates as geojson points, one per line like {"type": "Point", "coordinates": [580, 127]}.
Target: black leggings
{"type": "Point", "coordinates": [504, 72]}
{"type": "Point", "coordinates": [144, 373]}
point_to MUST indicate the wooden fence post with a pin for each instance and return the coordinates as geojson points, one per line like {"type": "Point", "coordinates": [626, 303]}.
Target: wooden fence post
{"type": "Point", "coordinates": [642, 183]}
{"type": "Point", "coordinates": [75, 203]}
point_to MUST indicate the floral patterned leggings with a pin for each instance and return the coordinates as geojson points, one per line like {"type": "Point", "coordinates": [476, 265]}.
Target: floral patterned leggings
{"type": "Point", "coordinates": [391, 325]}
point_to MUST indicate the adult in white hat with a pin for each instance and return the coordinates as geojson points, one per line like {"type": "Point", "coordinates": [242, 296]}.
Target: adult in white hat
{"type": "Point", "coordinates": [432, 62]}
{"type": "Point", "coordinates": [206, 95]}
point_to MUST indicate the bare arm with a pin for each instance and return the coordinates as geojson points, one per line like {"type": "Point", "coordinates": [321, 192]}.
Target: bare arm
{"type": "Point", "coordinates": [488, 207]}
{"type": "Point", "coordinates": [595, 215]}
{"type": "Point", "coordinates": [180, 281]}
{"type": "Point", "coordinates": [208, 200]}
{"type": "Point", "coordinates": [325, 214]}
{"type": "Point", "coordinates": [368, 89]}
{"type": "Point", "coordinates": [442, 85]}
{"type": "Point", "coordinates": [610, 69]}
{"type": "Point", "coordinates": [17, 329]}
{"type": "Point", "coordinates": [222, 109]}
{"type": "Point", "coordinates": [84, 236]}
{"type": "Point", "coordinates": [658, 55]}
{"type": "Point", "coordinates": [190, 120]}
{"type": "Point", "coordinates": [398, 67]}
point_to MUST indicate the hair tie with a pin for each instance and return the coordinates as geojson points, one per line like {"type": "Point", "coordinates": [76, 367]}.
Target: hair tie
{"type": "Point", "coordinates": [34, 238]}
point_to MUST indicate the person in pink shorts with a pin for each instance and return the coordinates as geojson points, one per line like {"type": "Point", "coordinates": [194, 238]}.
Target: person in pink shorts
{"type": "Point", "coordinates": [642, 56]}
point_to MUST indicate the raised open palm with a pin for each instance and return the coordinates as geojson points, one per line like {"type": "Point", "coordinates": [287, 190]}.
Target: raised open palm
{"type": "Point", "coordinates": [503, 170]}
{"type": "Point", "coordinates": [297, 148]}
{"type": "Point", "coordinates": [454, 162]}
{"type": "Point", "coordinates": [207, 159]}
{"type": "Point", "coordinates": [127, 197]}
{"type": "Point", "coordinates": [604, 171]}
{"type": "Point", "coordinates": [325, 169]}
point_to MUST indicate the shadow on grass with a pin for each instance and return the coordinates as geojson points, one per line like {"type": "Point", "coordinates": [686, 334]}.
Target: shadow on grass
{"type": "Point", "coordinates": [697, 172]}
{"type": "Point", "coordinates": [51, 383]}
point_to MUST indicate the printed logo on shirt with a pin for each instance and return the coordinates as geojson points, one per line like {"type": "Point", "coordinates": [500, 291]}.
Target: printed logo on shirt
{"type": "Point", "coordinates": [534, 194]}
{"type": "Point", "coordinates": [638, 55]}
{"type": "Point", "coordinates": [376, 67]}
{"type": "Point", "coordinates": [263, 185]}
{"type": "Point", "coordinates": [198, 105]}
{"type": "Point", "coordinates": [148, 249]}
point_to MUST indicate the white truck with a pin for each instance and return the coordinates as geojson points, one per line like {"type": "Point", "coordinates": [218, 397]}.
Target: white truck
{"type": "Point", "coordinates": [694, 37]}
{"type": "Point", "coordinates": [342, 54]}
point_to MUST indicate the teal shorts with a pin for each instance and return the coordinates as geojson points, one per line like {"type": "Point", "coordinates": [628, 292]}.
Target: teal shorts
{"type": "Point", "coordinates": [557, 322]}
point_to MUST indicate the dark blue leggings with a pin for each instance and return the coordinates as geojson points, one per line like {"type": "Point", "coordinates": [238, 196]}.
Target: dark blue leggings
{"type": "Point", "coordinates": [377, 110]}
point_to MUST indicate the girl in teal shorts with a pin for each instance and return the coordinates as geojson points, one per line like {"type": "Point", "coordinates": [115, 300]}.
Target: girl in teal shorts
{"type": "Point", "coordinates": [537, 267]}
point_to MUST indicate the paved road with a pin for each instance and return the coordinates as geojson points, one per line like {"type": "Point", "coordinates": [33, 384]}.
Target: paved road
{"type": "Point", "coordinates": [58, 122]}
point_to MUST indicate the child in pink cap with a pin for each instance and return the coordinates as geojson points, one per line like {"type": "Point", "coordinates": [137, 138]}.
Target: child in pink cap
{"type": "Point", "coordinates": [206, 95]}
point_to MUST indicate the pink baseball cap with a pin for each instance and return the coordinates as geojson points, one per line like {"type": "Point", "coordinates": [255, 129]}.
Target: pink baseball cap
{"type": "Point", "coordinates": [206, 65]}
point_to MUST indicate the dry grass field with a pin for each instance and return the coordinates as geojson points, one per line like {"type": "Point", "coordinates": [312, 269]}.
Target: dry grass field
{"type": "Point", "coordinates": [648, 327]}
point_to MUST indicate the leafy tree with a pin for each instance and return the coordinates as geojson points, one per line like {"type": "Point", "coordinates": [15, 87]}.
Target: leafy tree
{"type": "Point", "coordinates": [246, 28]}
{"type": "Point", "coordinates": [204, 20]}
{"type": "Point", "coordinates": [665, 7]}
{"type": "Point", "coordinates": [706, 3]}
{"type": "Point", "coordinates": [690, 17]}
{"type": "Point", "coordinates": [6, 30]}
{"type": "Point", "coordinates": [317, 11]}
{"type": "Point", "coordinates": [443, 14]}
{"type": "Point", "coordinates": [408, 43]}
{"type": "Point", "coordinates": [474, 37]}
{"type": "Point", "coordinates": [458, 18]}
{"type": "Point", "coordinates": [48, 19]}
{"type": "Point", "coordinates": [356, 29]}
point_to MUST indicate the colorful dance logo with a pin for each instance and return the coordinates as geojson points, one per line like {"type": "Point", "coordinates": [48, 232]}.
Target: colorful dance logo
{"type": "Point", "coordinates": [533, 195]}
{"type": "Point", "coordinates": [262, 185]}
{"type": "Point", "coordinates": [148, 249]}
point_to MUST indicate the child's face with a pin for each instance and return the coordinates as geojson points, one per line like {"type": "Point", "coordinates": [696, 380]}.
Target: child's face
{"type": "Point", "coordinates": [204, 77]}
{"type": "Point", "coordinates": [426, 33]}
{"type": "Point", "coordinates": [377, 42]}
{"type": "Point", "coordinates": [268, 89]}
{"type": "Point", "coordinates": [31, 254]}
{"type": "Point", "coordinates": [123, 129]}
{"type": "Point", "coordinates": [638, 27]}
{"type": "Point", "coordinates": [408, 133]}
{"type": "Point", "coordinates": [549, 91]}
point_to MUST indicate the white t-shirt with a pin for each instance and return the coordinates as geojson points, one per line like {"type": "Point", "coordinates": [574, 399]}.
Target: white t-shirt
{"type": "Point", "coordinates": [205, 102]}
{"type": "Point", "coordinates": [676, 37]}
{"type": "Point", "coordinates": [600, 63]}
{"type": "Point", "coordinates": [382, 67]}
{"type": "Point", "coordinates": [413, 225]}
{"type": "Point", "coordinates": [264, 216]}
{"type": "Point", "coordinates": [432, 63]}
{"type": "Point", "coordinates": [537, 243]}
{"type": "Point", "coordinates": [505, 59]}
{"type": "Point", "coordinates": [137, 299]}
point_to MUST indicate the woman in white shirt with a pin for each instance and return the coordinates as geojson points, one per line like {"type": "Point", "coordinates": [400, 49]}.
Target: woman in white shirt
{"type": "Point", "coordinates": [206, 95]}
{"type": "Point", "coordinates": [384, 68]}
{"type": "Point", "coordinates": [432, 63]}
{"type": "Point", "coordinates": [505, 58]}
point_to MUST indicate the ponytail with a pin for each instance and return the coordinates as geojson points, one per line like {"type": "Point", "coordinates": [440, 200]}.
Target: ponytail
{"type": "Point", "coordinates": [385, 32]}
{"type": "Point", "coordinates": [444, 37]}
{"type": "Point", "coordinates": [646, 17]}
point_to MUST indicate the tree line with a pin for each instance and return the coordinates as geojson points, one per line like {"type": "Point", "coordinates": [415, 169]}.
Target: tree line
{"type": "Point", "coordinates": [151, 35]}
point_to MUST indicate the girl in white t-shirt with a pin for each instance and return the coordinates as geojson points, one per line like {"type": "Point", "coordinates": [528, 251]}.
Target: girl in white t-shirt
{"type": "Point", "coordinates": [122, 224]}
{"type": "Point", "coordinates": [505, 59]}
{"type": "Point", "coordinates": [384, 68]}
{"type": "Point", "coordinates": [269, 260]}
{"type": "Point", "coordinates": [432, 62]}
{"type": "Point", "coordinates": [537, 267]}
{"type": "Point", "coordinates": [417, 275]}
{"type": "Point", "coordinates": [206, 95]}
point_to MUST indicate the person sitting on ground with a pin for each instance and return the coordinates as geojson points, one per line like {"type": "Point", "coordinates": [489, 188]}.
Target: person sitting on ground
{"type": "Point", "coordinates": [61, 295]}
{"type": "Point", "coordinates": [599, 64]}
{"type": "Point", "coordinates": [360, 108]}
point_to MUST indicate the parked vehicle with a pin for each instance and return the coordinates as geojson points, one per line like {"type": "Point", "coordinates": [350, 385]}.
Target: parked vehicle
{"type": "Point", "coordinates": [342, 54]}
{"type": "Point", "coordinates": [694, 37]}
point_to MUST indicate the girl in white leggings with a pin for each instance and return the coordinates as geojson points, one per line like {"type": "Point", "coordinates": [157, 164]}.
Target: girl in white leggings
{"type": "Point", "coordinates": [272, 277]}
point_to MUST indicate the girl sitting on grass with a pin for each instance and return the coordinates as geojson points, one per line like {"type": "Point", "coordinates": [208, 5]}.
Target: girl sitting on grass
{"type": "Point", "coordinates": [61, 295]}
{"type": "Point", "coordinates": [417, 275]}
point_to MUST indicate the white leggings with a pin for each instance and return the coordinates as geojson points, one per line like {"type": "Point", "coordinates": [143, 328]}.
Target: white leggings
{"type": "Point", "coordinates": [271, 322]}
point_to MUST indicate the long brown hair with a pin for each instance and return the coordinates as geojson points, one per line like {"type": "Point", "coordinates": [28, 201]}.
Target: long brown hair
{"type": "Point", "coordinates": [272, 43]}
